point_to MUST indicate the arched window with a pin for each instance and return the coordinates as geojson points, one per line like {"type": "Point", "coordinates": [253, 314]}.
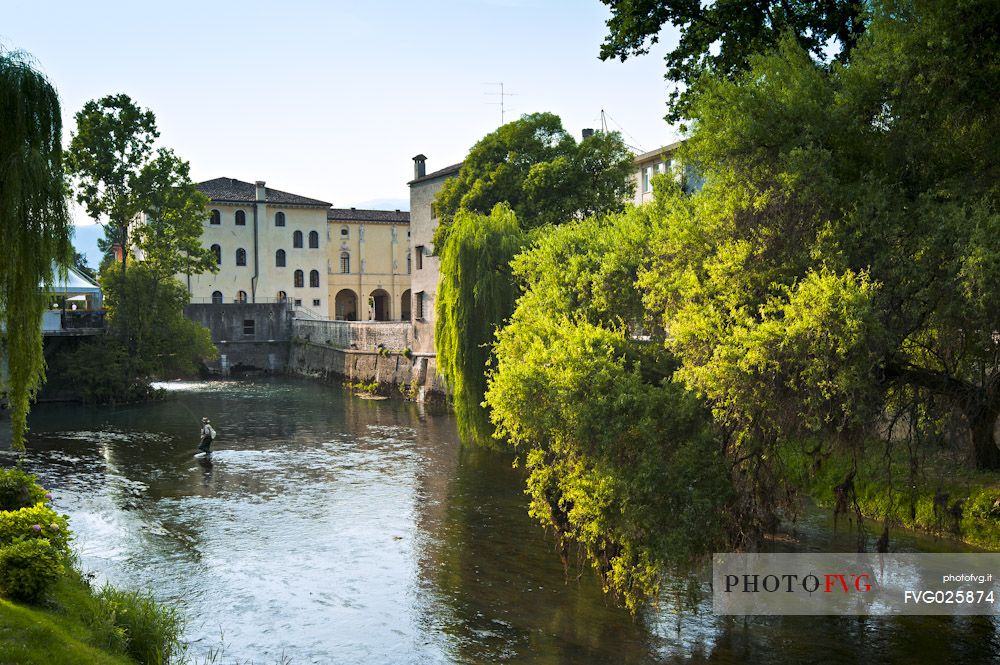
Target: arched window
{"type": "Point", "coordinates": [279, 219]}
{"type": "Point", "coordinates": [345, 262]}
{"type": "Point", "coordinates": [218, 254]}
{"type": "Point", "coordinates": [345, 232]}
{"type": "Point", "coordinates": [282, 296]}
{"type": "Point", "coordinates": [216, 218]}
{"type": "Point", "coordinates": [297, 240]}
{"type": "Point", "coordinates": [241, 257]}
{"type": "Point", "coordinates": [241, 218]}
{"type": "Point", "coordinates": [216, 297]}
{"type": "Point", "coordinates": [313, 240]}
{"type": "Point", "coordinates": [314, 278]}
{"type": "Point", "coordinates": [279, 258]}
{"type": "Point", "coordinates": [241, 296]}
{"type": "Point", "coordinates": [299, 279]}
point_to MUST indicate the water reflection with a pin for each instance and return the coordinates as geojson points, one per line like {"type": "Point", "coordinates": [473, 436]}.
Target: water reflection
{"type": "Point", "coordinates": [333, 529]}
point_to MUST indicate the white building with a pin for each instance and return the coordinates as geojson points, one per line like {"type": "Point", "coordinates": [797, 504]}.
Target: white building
{"type": "Point", "coordinates": [656, 162]}
{"type": "Point", "coordinates": [425, 266]}
{"type": "Point", "coordinates": [270, 245]}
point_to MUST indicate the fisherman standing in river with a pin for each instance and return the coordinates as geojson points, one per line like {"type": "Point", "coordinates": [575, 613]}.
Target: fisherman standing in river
{"type": "Point", "coordinates": [207, 436]}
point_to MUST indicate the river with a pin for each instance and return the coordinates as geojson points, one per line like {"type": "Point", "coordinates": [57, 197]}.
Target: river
{"type": "Point", "coordinates": [331, 529]}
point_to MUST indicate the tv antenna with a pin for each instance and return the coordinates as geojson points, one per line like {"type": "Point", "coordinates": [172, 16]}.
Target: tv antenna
{"type": "Point", "coordinates": [502, 103]}
{"type": "Point", "coordinates": [604, 127]}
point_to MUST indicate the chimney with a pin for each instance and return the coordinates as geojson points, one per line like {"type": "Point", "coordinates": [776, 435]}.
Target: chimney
{"type": "Point", "coordinates": [261, 191]}
{"type": "Point", "coordinates": [587, 133]}
{"type": "Point", "coordinates": [419, 166]}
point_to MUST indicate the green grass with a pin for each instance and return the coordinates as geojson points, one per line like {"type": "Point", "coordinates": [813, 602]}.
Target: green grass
{"type": "Point", "coordinates": [134, 621]}
{"type": "Point", "coordinates": [58, 633]}
{"type": "Point", "coordinates": [77, 625]}
{"type": "Point", "coordinates": [968, 501]}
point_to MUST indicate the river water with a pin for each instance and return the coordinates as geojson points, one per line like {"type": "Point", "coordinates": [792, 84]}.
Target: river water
{"type": "Point", "coordinates": [331, 529]}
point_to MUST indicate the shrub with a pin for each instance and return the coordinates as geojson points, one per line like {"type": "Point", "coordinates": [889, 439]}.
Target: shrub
{"type": "Point", "coordinates": [984, 505]}
{"type": "Point", "coordinates": [410, 391]}
{"type": "Point", "coordinates": [38, 522]}
{"type": "Point", "coordinates": [145, 630]}
{"type": "Point", "coordinates": [19, 489]}
{"type": "Point", "coordinates": [101, 371]}
{"type": "Point", "coordinates": [29, 567]}
{"type": "Point", "coordinates": [362, 387]}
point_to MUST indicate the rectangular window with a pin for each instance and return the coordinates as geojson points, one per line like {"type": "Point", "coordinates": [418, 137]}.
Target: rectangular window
{"type": "Point", "coordinates": [420, 304]}
{"type": "Point", "coordinates": [420, 256]}
{"type": "Point", "coordinates": [248, 327]}
{"type": "Point", "coordinates": [298, 302]}
{"type": "Point", "coordinates": [647, 176]}
{"type": "Point", "coordinates": [315, 302]}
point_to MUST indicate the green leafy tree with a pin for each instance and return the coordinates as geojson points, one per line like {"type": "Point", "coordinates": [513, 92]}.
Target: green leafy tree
{"type": "Point", "coordinates": [120, 178]}
{"type": "Point", "coordinates": [146, 312]}
{"type": "Point", "coordinates": [475, 294]}
{"type": "Point", "coordinates": [620, 460]}
{"type": "Point", "coordinates": [719, 38]}
{"type": "Point", "coordinates": [34, 223]}
{"type": "Point", "coordinates": [843, 259]}
{"type": "Point", "coordinates": [540, 171]}
{"type": "Point", "coordinates": [540, 176]}
{"type": "Point", "coordinates": [80, 263]}
{"type": "Point", "coordinates": [170, 238]}
{"type": "Point", "coordinates": [107, 154]}
{"type": "Point", "coordinates": [148, 337]}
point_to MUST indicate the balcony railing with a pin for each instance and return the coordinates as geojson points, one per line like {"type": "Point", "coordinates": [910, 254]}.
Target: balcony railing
{"type": "Point", "coordinates": [77, 320]}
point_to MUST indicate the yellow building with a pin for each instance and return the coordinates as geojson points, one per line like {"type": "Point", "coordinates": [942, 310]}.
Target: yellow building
{"type": "Point", "coordinates": [369, 265]}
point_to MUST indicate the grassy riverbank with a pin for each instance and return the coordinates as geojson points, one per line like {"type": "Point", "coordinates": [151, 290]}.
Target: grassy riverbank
{"type": "Point", "coordinates": [49, 612]}
{"type": "Point", "coordinates": [940, 494]}
{"type": "Point", "coordinates": [66, 629]}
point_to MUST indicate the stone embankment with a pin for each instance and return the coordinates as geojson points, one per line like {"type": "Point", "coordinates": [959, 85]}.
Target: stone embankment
{"type": "Point", "coordinates": [269, 338]}
{"type": "Point", "coordinates": [411, 375]}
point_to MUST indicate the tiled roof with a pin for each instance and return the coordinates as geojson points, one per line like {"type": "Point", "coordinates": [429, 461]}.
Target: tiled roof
{"type": "Point", "coordinates": [356, 215]}
{"type": "Point", "coordinates": [446, 171]}
{"type": "Point", "coordinates": [231, 190]}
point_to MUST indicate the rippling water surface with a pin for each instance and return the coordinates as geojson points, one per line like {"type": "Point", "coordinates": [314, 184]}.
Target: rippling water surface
{"type": "Point", "coordinates": [329, 529]}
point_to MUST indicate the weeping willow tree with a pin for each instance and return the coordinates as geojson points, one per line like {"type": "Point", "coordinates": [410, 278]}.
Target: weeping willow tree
{"type": "Point", "coordinates": [34, 223]}
{"type": "Point", "coordinates": [476, 293]}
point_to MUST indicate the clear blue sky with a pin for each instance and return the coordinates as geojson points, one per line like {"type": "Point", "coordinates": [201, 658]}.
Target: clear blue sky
{"type": "Point", "coordinates": [332, 99]}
